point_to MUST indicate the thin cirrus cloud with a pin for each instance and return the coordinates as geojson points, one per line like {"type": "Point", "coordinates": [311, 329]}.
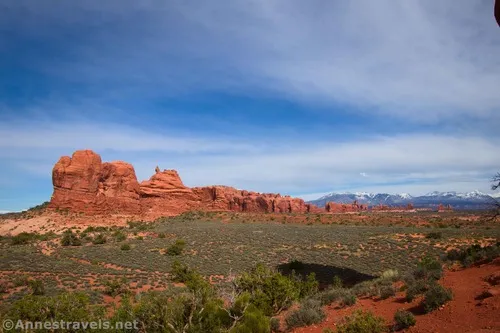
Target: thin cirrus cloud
{"type": "Point", "coordinates": [421, 60]}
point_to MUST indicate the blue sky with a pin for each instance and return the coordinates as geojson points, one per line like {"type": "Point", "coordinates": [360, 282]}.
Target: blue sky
{"type": "Point", "coordinates": [295, 97]}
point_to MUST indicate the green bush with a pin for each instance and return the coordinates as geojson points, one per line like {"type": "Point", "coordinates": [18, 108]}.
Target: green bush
{"type": "Point", "coordinates": [179, 310]}
{"type": "Point", "coordinates": [70, 307]}
{"type": "Point", "coordinates": [161, 235]}
{"type": "Point", "coordinates": [37, 287]}
{"type": "Point", "coordinates": [428, 269]}
{"type": "Point", "coordinates": [403, 319]}
{"type": "Point", "coordinates": [125, 247]}
{"type": "Point", "coordinates": [24, 238]}
{"type": "Point", "coordinates": [3, 287]}
{"type": "Point", "coordinates": [176, 248]}
{"type": "Point", "coordinates": [115, 287]}
{"type": "Point", "coordinates": [99, 239]}
{"type": "Point", "coordinates": [254, 321]}
{"type": "Point", "coordinates": [414, 289]}
{"type": "Point", "coordinates": [348, 300]}
{"type": "Point", "coordinates": [21, 280]}
{"type": "Point", "coordinates": [337, 282]}
{"type": "Point", "coordinates": [474, 254]}
{"type": "Point", "coordinates": [362, 322]}
{"type": "Point", "coordinates": [119, 236]}
{"type": "Point", "coordinates": [331, 295]}
{"type": "Point", "coordinates": [70, 239]}
{"type": "Point", "coordinates": [309, 313]}
{"type": "Point", "coordinates": [435, 297]}
{"type": "Point", "coordinates": [365, 288]}
{"type": "Point", "coordinates": [387, 291]}
{"type": "Point", "coordinates": [309, 286]}
{"type": "Point", "coordinates": [275, 325]}
{"type": "Point", "coordinates": [270, 291]}
{"type": "Point", "coordinates": [192, 279]}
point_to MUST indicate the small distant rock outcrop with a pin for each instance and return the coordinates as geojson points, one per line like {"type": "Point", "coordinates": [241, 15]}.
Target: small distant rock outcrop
{"type": "Point", "coordinates": [334, 207]}
{"type": "Point", "coordinates": [444, 208]}
{"type": "Point", "coordinates": [83, 183]}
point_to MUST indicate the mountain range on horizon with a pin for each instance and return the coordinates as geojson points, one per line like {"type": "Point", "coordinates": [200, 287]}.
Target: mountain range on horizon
{"type": "Point", "coordinates": [458, 200]}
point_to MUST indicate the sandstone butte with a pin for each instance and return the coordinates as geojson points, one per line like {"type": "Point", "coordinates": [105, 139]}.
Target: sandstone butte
{"type": "Point", "coordinates": [83, 183]}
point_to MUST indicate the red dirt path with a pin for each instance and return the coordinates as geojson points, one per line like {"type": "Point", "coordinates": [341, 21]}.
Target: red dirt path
{"type": "Point", "coordinates": [464, 313]}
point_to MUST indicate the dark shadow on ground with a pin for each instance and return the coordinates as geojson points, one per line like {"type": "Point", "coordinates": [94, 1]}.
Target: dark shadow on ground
{"type": "Point", "coordinates": [325, 273]}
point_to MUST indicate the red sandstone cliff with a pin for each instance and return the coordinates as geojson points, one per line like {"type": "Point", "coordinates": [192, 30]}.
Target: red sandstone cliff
{"type": "Point", "coordinates": [82, 183]}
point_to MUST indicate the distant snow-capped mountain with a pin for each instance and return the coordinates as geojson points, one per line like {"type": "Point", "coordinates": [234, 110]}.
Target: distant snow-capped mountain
{"type": "Point", "coordinates": [468, 200]}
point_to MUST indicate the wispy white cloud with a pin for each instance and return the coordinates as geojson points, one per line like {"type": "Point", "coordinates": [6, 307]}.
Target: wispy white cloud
{"type": "Point", "coordinates": [102, 136]}
{"type": "Point", "coordinates": [424, 61]}
{"type": "Point", "coordinates": [290, 166]}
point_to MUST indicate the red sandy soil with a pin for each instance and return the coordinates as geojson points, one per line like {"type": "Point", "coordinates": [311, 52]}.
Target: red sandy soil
{"type": "Point", "coordinates": [465, 313]}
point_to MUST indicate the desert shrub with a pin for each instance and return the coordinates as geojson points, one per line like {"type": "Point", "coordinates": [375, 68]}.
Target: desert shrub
{"type": "Point", "coordinates": [99, 239]}
{"type": "Point", "coordinates": [37, 287]}
{"type": "Point", "coordinates": [387, 291]}
{"type": "Point", "coordinates": [70, 239]}
{"type": "Point", "coordinates": [331, 295]}
{"type": "Point", "coordinates": [275, 325]}
{"type": "Point", "coordinates": [436, 296]}
{"type": "Point", "coordinates": [125, 247]}
{"type": "Point", "coordinates": [309, 312]}
{"type": "Point", "coordinates": [365, 288]}
{"type": "Point", "coordinates": [23, 238]}
{"type": "Point", "coordinates": [3, 287]}
{"type": "Point", "coordinates": [295, 265]}
{"type": "Point", "coordinates": [180, 272]}
{"type": "Point", "coordinates": [253, 320]}
{"type": "Point", "coordinates": [115, 287]}
{"type": "Point", "coordinates": [337, 282]}
{"type": "Point", "coordinates": [270, 291]}
{"type": "Point", "coordinates": [434, 235]}
{"type": "Point", "coordinates": [348, 300]}
{"type": "Point", "coordinates": [403, 319]}
{"type": "Point", "coordinates": [391, 275]}
{"type": "Point", "coordinates": [185, 311]}
{"type": "Point", "coordinates": [89, 229]}
{"type": "Point", "coordinates": [192, 279]}
{"type": "Point", "coordinates": [415, 288]}
{"type": "Point", "coordinates": [119, 236]}
{"type": "Point", "coordinates": [309, 286]}
{"type": "Point", "coordinates": [161, 235]}
{"type": "Point", "coordinates": [176, 248]}
{"type": "Point", "coordinates": [21, 280]}
{"type": "Point", "coordinates": [474, 254]}
{"type": "Point", "coordinates": [428, 268]}
{"type": "Point", "coordinates": [362, 322]}
{"type": "Point", "coordinates": [139, 225]}
{"type": "Point", "coordinates": [69, 307]}
{"type": "Point", "coordinates": [468, 261]}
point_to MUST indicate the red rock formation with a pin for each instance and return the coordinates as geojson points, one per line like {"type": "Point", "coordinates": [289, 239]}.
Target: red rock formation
{"type": "Point", "coordinates": [443, 208]}
{"type": "Point", "coordinates": [334, 207]}
{"type": "Point", "coordinates": [83, 183]}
